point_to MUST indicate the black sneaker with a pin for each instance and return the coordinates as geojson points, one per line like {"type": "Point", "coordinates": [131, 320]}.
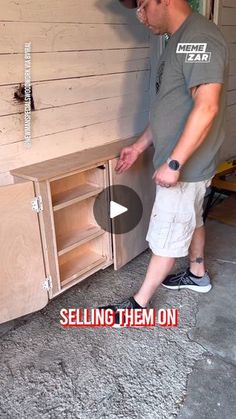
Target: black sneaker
{"type": "Point", "coordinates": [186, 280]}
{"type": "Point", "coordinates": [129, 303]}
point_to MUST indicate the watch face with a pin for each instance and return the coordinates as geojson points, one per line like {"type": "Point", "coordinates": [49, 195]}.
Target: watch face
{"type": "Point", "coordinates": [174, 164]}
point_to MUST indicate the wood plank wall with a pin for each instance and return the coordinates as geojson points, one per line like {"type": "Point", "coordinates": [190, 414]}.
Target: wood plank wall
{"type": "Point", "coordinates": [227, 24]}
{"type": "Point", "coordinates": [90, 77]}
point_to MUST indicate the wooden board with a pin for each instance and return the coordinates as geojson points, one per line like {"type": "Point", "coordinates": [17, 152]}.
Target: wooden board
{"type": "Point", "coordinates": [59, 65]}
{"type": "Point", "coordinates": [52, 37]}
{"type": "Point", "coordinates": [72, 240]}
{"type": "Point", "coordinates": [230, 130]}
{"type": "Point", "coordinates": [229, 3]}
{"type": "Point", "coordinates": [225, 211]}
{"type": "Point", "coordinates": [22, 268]}
{"type": "Point", "coordinates": [232, 46]}
{"type": "Point", "coordinates": [6, 179]}
{"type": "Point", "coordinates": [65, 199]}
{"type": "Point", "coordinates": [66, 49]}
{"type": "Point", "coordinates": [68, 117]}
{"type": "Point", "coordinates": [74, 90]}
{"type": "Point", "coordinates": [48, 236]}
{"type": "Point", "coordinates": [232, 66]}
{"type": "Point", "coordinates": [77, 11]}
{"type": "Point", "coordinates": [139, 178]}
{"type": "Point", "coordinates": [73, 268]}
{"type": "Point", "coordinates": [228, 16]}
{"type": "Point", "coordinates": [52, 146]}
{"type": "Point", "coordinates": [231, 112]}
{"type": "Point", "coordinates": [231, 97]}
{"type": "Point", "coordinates": [75, 263]}
{"type": "Point", "coordinates": [229, 33]}
{"type": "Point", "coordinates": [229, 147]}
{"type": "Point", "coordinates": [55, 168]}
{"type": "Point", "coordinates": [232, 82]}
{"type": "Point", "coordinates": [85, 89]}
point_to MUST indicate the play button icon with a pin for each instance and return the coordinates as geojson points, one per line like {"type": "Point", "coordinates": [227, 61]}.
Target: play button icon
{"type": "Point", "coordinates": [118, 209]}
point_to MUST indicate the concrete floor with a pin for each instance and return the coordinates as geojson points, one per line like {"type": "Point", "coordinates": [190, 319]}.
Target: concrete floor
{"type": "Point", "coordinates": [156, 373]}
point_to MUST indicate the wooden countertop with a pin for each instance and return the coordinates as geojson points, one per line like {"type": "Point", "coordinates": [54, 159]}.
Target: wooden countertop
{"type": "Point", "coordinates": [57, 167]}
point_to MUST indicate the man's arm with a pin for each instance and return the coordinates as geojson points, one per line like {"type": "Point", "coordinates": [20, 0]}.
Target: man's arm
{"type": "Point", "coordinates": [200, 120]}
{"type": "Point", "coordinates": [144, 141]}
{"type": "Point", "coordinates": [130, 154]}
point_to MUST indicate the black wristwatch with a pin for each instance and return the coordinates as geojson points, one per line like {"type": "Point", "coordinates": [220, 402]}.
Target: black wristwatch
{"type": "Point", "coordinates": [173, 164]}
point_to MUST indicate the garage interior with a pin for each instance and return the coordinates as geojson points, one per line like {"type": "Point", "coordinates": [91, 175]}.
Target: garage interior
{"type": "Point", "coordinates": [107, 79]}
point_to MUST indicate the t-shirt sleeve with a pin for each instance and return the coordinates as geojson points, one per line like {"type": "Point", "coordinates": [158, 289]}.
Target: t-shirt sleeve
{"type": "Point", "coordinates": [212, 70]}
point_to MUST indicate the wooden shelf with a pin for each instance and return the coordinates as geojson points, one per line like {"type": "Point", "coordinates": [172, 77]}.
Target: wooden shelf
{"type": "Point", "coordinates": [225, 212]}
{"type": "Point", "coordinates": [72, 196]}
{"type": "Point", "coordinates": [76, 267]}
{"type": "Point", "coordinates": [72, 240]}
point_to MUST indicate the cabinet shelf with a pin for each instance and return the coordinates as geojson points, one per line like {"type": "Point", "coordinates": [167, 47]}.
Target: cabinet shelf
{"type": "Point", "coordinates": [77, 266]}
{"type": "Point", "coordinates": [74, 239]}
{"type": "Point", "coordinates": [83, 259]}
{"type": "Point", "coordinates": [72, 196]}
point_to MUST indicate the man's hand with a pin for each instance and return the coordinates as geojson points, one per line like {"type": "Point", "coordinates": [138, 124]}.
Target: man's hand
{"type": "Point", "coordinates": [166, 177]}
{"type": "Point", "coordinates": [128, 156]}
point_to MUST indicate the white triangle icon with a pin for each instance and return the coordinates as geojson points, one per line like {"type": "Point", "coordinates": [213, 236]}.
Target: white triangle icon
{"type": "Point", "coordinates": [116, 209]}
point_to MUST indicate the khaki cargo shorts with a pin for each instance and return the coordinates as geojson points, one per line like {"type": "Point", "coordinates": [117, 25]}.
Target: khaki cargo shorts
{"type": "Point", "coordinates": [176, 212]}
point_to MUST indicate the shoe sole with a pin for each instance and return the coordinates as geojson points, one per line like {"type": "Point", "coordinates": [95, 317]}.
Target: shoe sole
{"type": "Point", "coordinates": [197, 288]}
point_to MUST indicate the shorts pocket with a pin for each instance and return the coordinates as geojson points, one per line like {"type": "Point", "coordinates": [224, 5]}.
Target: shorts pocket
{"type": "Point", "coordinates": [169, 228]}
{"type": "Point", "coordinates": [182, 228]}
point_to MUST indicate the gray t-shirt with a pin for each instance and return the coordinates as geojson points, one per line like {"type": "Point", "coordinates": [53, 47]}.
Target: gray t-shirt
{"type": "Point", "coordinates": [177, 72]}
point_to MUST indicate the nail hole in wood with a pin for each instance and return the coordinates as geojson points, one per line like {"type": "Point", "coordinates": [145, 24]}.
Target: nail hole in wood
{"type": "Point", "coordinates": [19, 95]}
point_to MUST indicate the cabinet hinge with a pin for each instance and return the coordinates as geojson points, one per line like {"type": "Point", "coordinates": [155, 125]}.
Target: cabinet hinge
{"type": "Point", "coordinates": [37, 204]}
{"type": "Point", "coordinates": [47, 283]}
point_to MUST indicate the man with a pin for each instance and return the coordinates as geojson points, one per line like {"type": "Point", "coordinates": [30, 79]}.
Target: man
{"type": "Point", "coordinates": [186, 128]}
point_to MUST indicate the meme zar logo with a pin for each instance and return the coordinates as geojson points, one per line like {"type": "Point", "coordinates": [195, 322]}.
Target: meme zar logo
{"type": "Point", "coordinates": [195, 52]}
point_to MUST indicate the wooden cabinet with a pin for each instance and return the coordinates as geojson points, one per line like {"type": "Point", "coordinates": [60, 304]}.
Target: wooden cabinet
{"type": "Point", "coordinates": [139, 178]}
{"type": "Point", "coordinates": [22, 272]}
{"type": "Point", "coordinates": [75, 246]}
{"type": "Point", "coordinates": [49, 237]}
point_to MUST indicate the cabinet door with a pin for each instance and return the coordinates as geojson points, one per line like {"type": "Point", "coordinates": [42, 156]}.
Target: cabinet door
{"type": "Point", "coordinates": [22, 267]}
{"type": "Point", "coordinates": [139, 178]}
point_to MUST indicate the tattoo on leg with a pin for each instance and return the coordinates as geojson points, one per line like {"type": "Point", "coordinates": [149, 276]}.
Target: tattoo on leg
{"type": "Point", "coordinates": [197, 260]}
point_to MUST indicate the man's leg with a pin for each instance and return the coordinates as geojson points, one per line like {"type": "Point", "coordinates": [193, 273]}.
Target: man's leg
{"type": "Point", "coordinates": [195, 277]}
{"type": "Point", "coordinates": [196, 252]}
{"type": "Point", "coordinates": [172, 232]}
{"type": "Point", "coordinates": [159, 267]}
